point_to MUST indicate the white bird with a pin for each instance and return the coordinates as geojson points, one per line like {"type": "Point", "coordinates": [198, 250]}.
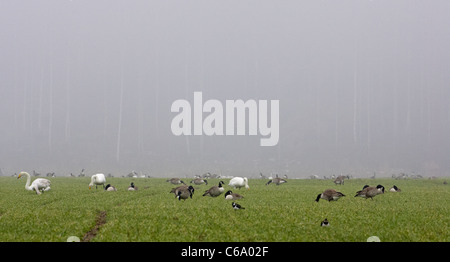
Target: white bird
{"type": "Point", "coordinates": [38, 185]}
{"type": "Point", "coordinates": [238, 182]}
{"type": "Point", "coordinates": [97, 179]}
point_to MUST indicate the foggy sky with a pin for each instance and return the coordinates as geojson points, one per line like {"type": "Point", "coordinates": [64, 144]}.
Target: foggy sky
{"type": "Point", "coordinates": [363, 85]}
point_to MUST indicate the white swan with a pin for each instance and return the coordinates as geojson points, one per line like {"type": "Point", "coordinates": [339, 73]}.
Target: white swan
{"type": "Point", "coordinates": [38, 185]}
{"type": "Point", "coordinates": [238, 182]}
{"type": "Point", "coordinates": [97, 179]}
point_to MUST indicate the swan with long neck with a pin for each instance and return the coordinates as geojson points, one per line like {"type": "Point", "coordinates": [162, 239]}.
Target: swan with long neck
{"type": "Point", "coordinates": [39, 184]}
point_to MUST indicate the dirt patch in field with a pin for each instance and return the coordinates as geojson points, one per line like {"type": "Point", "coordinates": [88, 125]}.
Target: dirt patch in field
{"type": "Point", "coordinates": [100, 220]}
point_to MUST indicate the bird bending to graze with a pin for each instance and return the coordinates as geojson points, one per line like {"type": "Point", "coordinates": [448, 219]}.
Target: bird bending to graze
{"type": "Point", "coordinates": [110, 188]}
{"type": "Point", "coordinates": [229, 195]}
{"type": "Point", "coordinates": [176, 189]}
{"type": "Point", "coordinates": [199, 181]}
{"type": "Point", "coordinates": [236, 206]}
{"type": "Point", "coordinates": [132, 187]}
{"type": "Point", "coordinates": [175, 181]}
{"type": "Point", "coordinates": [238, 182]}
{"type": "Point", "coordinates": [329, 195]}
{"type": "Point", "coordinates": [39, 184]}
{"type": "Point", "coordinates": [185, 192]}
{"type": "Point", "coordinates": [370, 191]}
{"type": "Point", "coordinates": [339, 180]}
{"type": "Point", "coordinates": [395, 189]}
{"type": "Point", "coordinates": [215, 191]}
{"type": "Point", "coordinates": [277, 181]}
{"type": "Point", "coordinates": [97, 179]}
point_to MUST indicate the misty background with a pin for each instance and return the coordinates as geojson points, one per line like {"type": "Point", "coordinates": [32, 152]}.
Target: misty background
{"type": "Point", "coordinates": [363, 85]}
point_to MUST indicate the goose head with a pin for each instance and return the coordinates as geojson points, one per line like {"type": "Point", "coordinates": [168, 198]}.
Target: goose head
{"type": "Point", "coordinates": [380, 188]}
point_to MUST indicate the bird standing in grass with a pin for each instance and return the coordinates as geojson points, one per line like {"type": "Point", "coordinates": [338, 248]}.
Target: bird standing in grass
{"type": "Point", "coordinates": [185, 192]}
{"type": "Point", "coordinates": [330, 195]}
{"type": "Point", "coordinates": [277, 181]}
{"type": "Point", "coordinates": [238, 182]}
{"type": "Point", "coordinates": [175, 181]}
{"type": "Point", "coordinates": [370, 191]}
{"type": "Point", "coordinates": [215, 191]}
{"type": "Point", "coordinates": [97, 179]}
{"type": "Point", "coordinates": [199, 181]}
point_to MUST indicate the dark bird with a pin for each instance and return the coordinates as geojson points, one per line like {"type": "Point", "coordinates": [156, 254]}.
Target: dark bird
{"type": "Point", "coordinates": [324, 223]}
{"type": "Point", "coordinates": [176, 189]}
{"type": "Point", "coordinates": [330, 195]}
{"type": "Point", "coordinates": [132, 187]}
{"type": "Point", "coordinates": [370, 191]}
{"type": "Point", "coordinates": [199, 181]}
{"type": "Point", "coordinates": [229, 195]}
{"type": "Point", "coordinates": [277, 181]}
{"type": "Point", "coordinates": [110, 188]}
{"type": "Point", "coordinates": [236, 206]}
{"type": "Point", "coordinates": [395, 189]}
{"type": "Point", "coordinates": [215, 191]}
{"type": "Point", "coordinates": [175, 181]}
{"type": "Point", "coordinates": [185, 192]}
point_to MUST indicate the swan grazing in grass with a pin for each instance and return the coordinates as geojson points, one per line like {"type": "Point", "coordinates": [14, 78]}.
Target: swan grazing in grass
{"type": "Point", "coordinates": [238, 182]}
{"type": "Point", "coordinates": [97, 179]}
{"type": "Point", "coordinates": [38, 185]}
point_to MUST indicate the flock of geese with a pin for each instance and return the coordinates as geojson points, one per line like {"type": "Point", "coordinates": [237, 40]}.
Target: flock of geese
{"type": "Point", "coordinates": [366, 192]}
{"type": "Point", "coordinates": [184, 191]}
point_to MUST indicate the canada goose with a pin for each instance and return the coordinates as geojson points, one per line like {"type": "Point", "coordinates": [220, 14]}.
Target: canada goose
{"type": "Point", "coordinates": [132, 187]}
{"type": "Point", "coordinates": [110, 188]}
{"type": "Point", "coordinates": [277, 181]}
{"type": "Point", "coordinates": [370, 191]}
{"type": "Point", "coordinates": [215, 190]}
{"type": "Point", "coordinates": [325, 223]}
{"type": "Point", "coordinates": [330, 195]}
{"type": "Point", "coordinates": [229, 195]}
{"type": "Point", "coordinates": [185, 192]}
{"type": "Point", "coordinates": [339, 180]}
{"type": "Point", "coordinates": [175, 181]}
{"type": "Point", "coordinates": [176, 189]}
{"type": "Point", "coordinates": [199, 181]}
{"type": "Point", "coordinates": [395, 189]}
{"type": "Point", "coordinates": [39, 184]}
{"type": "Point", "coordinates": [97, 179]}
{"type": "Point", "coordinates": [238, 182]}
{"type": "Point", "coordinates": [236, 206]}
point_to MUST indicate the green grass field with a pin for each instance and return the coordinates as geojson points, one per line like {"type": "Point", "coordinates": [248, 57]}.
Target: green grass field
{"type": "Point", "coordinates": [287, 212]}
